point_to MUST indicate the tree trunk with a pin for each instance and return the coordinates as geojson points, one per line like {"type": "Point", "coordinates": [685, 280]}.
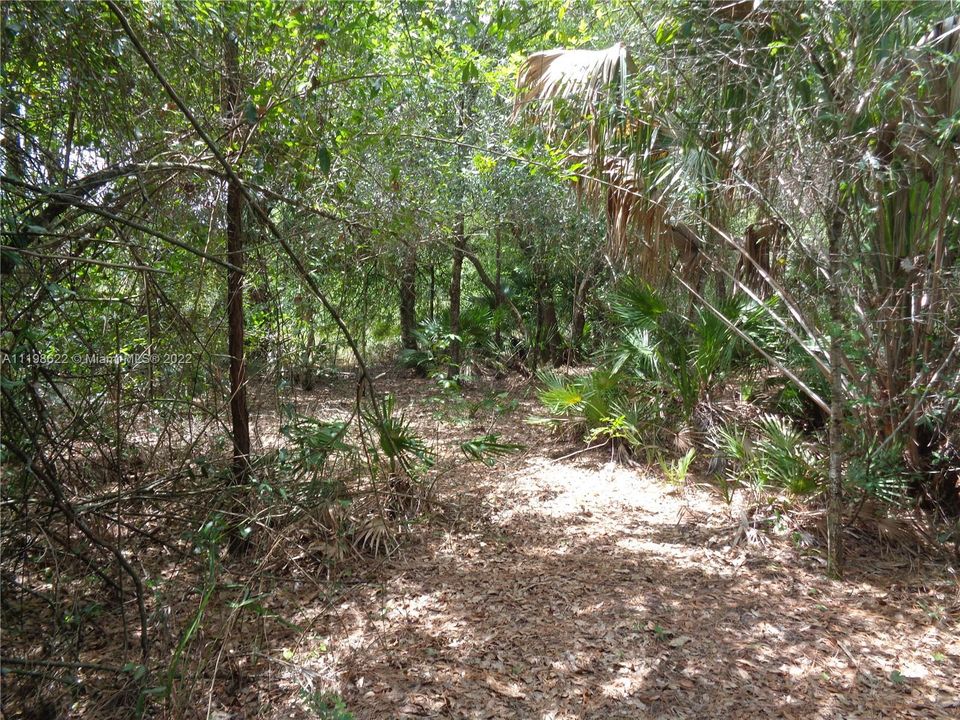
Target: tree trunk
{"type": "Point", "coordinates": [497, 335]}
{"type": "Point", "coordinates": [835, 478]}
{"type": "Point", "coordinates": [456, 346]}
{"type": "Point", "coordinates": [579, 314]}
{"type": "Point", "coordinates": [239, 415]}
{"type": "Point", "coordinates": [545, 343]}
{"type": "Point", "coordinates": [761, 245]}
{"type": "Point", "coordinates": [13, 155]}
{"type": "Point", "coordinates": [548, 335]}
{"type": "Point", "coordinates": [464, 108]}
{"type": "Point", "coordinates": [408, 298]}
{"type": "Point", "coordinates": [309, 356]}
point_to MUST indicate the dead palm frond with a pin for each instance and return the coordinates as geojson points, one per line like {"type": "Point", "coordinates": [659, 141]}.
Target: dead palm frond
{"type": "Point", "coordinates": [580, 75]}
{"type": "Point", "coordinates": [373, 535]}
{"type": "Point", "coordinates": [622, 154]}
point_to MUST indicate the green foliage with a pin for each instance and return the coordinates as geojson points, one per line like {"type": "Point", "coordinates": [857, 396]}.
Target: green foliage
{"type": "Point", "coordinates": [618, 429]}
{"type": "Point", "coordinates": [397, 444]}
{"type": "Point", "coordinates": [486, 448]}
{"type": "Point", "coordinates": [586, 400]}
{"type": "Point", "coordinates": [663, 365]}
{"type": "Point", "coordinates": [678, 356]}
{"type": "Point", "coordinates": [881, 474]}
{"type": "Point", "coordinates": [327, 705]}
{"type": "Point", "coordinates": [432, 341]}
{"type": "Point", "coordinates": [305, 462]}
{"type": "Point", "coordinates": [676, 471]}
{"type": "Point", "coordinates": [770, 453]}
{"type": "Point", "coordinates": [563, 397]}
{"type": "Point", "coordinates": [432, 356]}
{"type": "Point", "coordinates": [784, 458]}
{"type": "Point", "coordinates": [374, 138]}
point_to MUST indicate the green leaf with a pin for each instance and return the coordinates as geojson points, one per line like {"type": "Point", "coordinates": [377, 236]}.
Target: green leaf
{"type": "Point", "coordinates": [666, 30]}
{"type": "Point", "coordinates": [323, 159]}
{"type": "Point", "coordinates": [470, 72]}
{"type": "Point", "coordinates": [486, 447]}
{"type": "Point", "coordinates": [250, 113]}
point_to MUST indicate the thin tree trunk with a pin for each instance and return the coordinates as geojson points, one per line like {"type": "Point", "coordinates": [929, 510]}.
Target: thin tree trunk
{"type": "Point", "coordinates": [548, 335]}
{"type": "Point", "coordinates": [408, 298]}
{"type": "Point", "coordinates": [497, 335]}
{"type": "Point", "coordinates": [10, 142]}
{"type": "Point", "coordinates": [551, 339]}
{"type": "Point", "coordinates": [579, 314]}
{"type": "Point", "coordinates": [497, 291]}
{"type": "Point", "coordinates": [364, 312]}
{"type": "Point", "coordinates": [835, 478]}
{"type": "Point", "coordinates": [456, 346]}
{"type": "Point", "coordinates": [239, 415]}
{"type": "Point", "coordinates": [464, 108]}
{"type": "Point", "coordinates": [309, 356]}
{"type": "Point", "coordinates": [13, 156]}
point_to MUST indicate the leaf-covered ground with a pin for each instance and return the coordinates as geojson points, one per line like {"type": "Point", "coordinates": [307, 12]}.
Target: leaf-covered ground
{"type": "Point", "coordinates": [567, 586]}
{"type": "Point", "coordinates": [556, 584]}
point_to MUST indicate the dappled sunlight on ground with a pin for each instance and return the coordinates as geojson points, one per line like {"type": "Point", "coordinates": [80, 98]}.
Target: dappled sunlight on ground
{"type": "Point", "coordinates": [597, 591]}
{"type": "Point", "coordinates": [555, 584]}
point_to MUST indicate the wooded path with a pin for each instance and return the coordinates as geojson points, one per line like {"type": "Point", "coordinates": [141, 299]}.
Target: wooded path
{"type": "Point", "coordinates": [580, 588]}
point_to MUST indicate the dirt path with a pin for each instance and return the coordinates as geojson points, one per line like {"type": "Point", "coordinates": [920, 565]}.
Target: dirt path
{"type": "Point", "coordinates": [592, 591]}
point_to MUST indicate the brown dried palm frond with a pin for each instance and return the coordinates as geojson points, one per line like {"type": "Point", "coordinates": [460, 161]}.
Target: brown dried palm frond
{"type": "Point", "coordinates": [761, 256]}
{"type": "Point", "coordinates": [639, 233]}
{"type": "Point", "coordinates": [578, 74]}
{"type": "Point", "coordinates": [735, 10]}
{"type": "Point", "coordinates": [375, 536]}
{"type": "Point", "coordinates": [582, 77]}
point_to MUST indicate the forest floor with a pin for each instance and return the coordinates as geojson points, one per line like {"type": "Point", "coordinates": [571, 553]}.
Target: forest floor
{"type": "Point", "coordinates": [556, 584]}
{"type": "Point", "coordinates": [571, 586]}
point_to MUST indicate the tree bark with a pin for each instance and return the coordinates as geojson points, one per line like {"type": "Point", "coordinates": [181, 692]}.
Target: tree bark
{"type": "Point", "coordinates": [835, 477]}
{"type": "Point", "coordinates": [548, 334]}
{"type": "Point", "coordinates": [10, 142]}
{"type": "Point", "coordinates": [464, 109]}
{"type": "Point", "coordinates": [239, 415]}
{"type": "Point", "coordinates": [497, 335]}
{"type": "Point", "coordinates": [408, 298]}
{"type": "Point", "coordinates": [578, 320]}
{"type": "Point", "coordinates": [456, 346]}
{"type": "Point", "coordinates": [501, 297]}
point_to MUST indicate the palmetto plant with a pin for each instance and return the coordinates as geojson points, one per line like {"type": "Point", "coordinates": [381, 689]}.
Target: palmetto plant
{"type": "Point", "coordinates": [399, 450]}
{"type": "Point", "coordinates": [770, 453]}
{"type": "Point", "coordinates": [313, 444]}
{"type": "Point", "coordinates": [665, 366]}
{"type": "Point", "coordinates": [683, 357]}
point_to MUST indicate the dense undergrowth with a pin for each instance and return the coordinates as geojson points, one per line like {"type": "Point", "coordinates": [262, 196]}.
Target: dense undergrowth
{"type": "Point", "coordinates": [719, 388]}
